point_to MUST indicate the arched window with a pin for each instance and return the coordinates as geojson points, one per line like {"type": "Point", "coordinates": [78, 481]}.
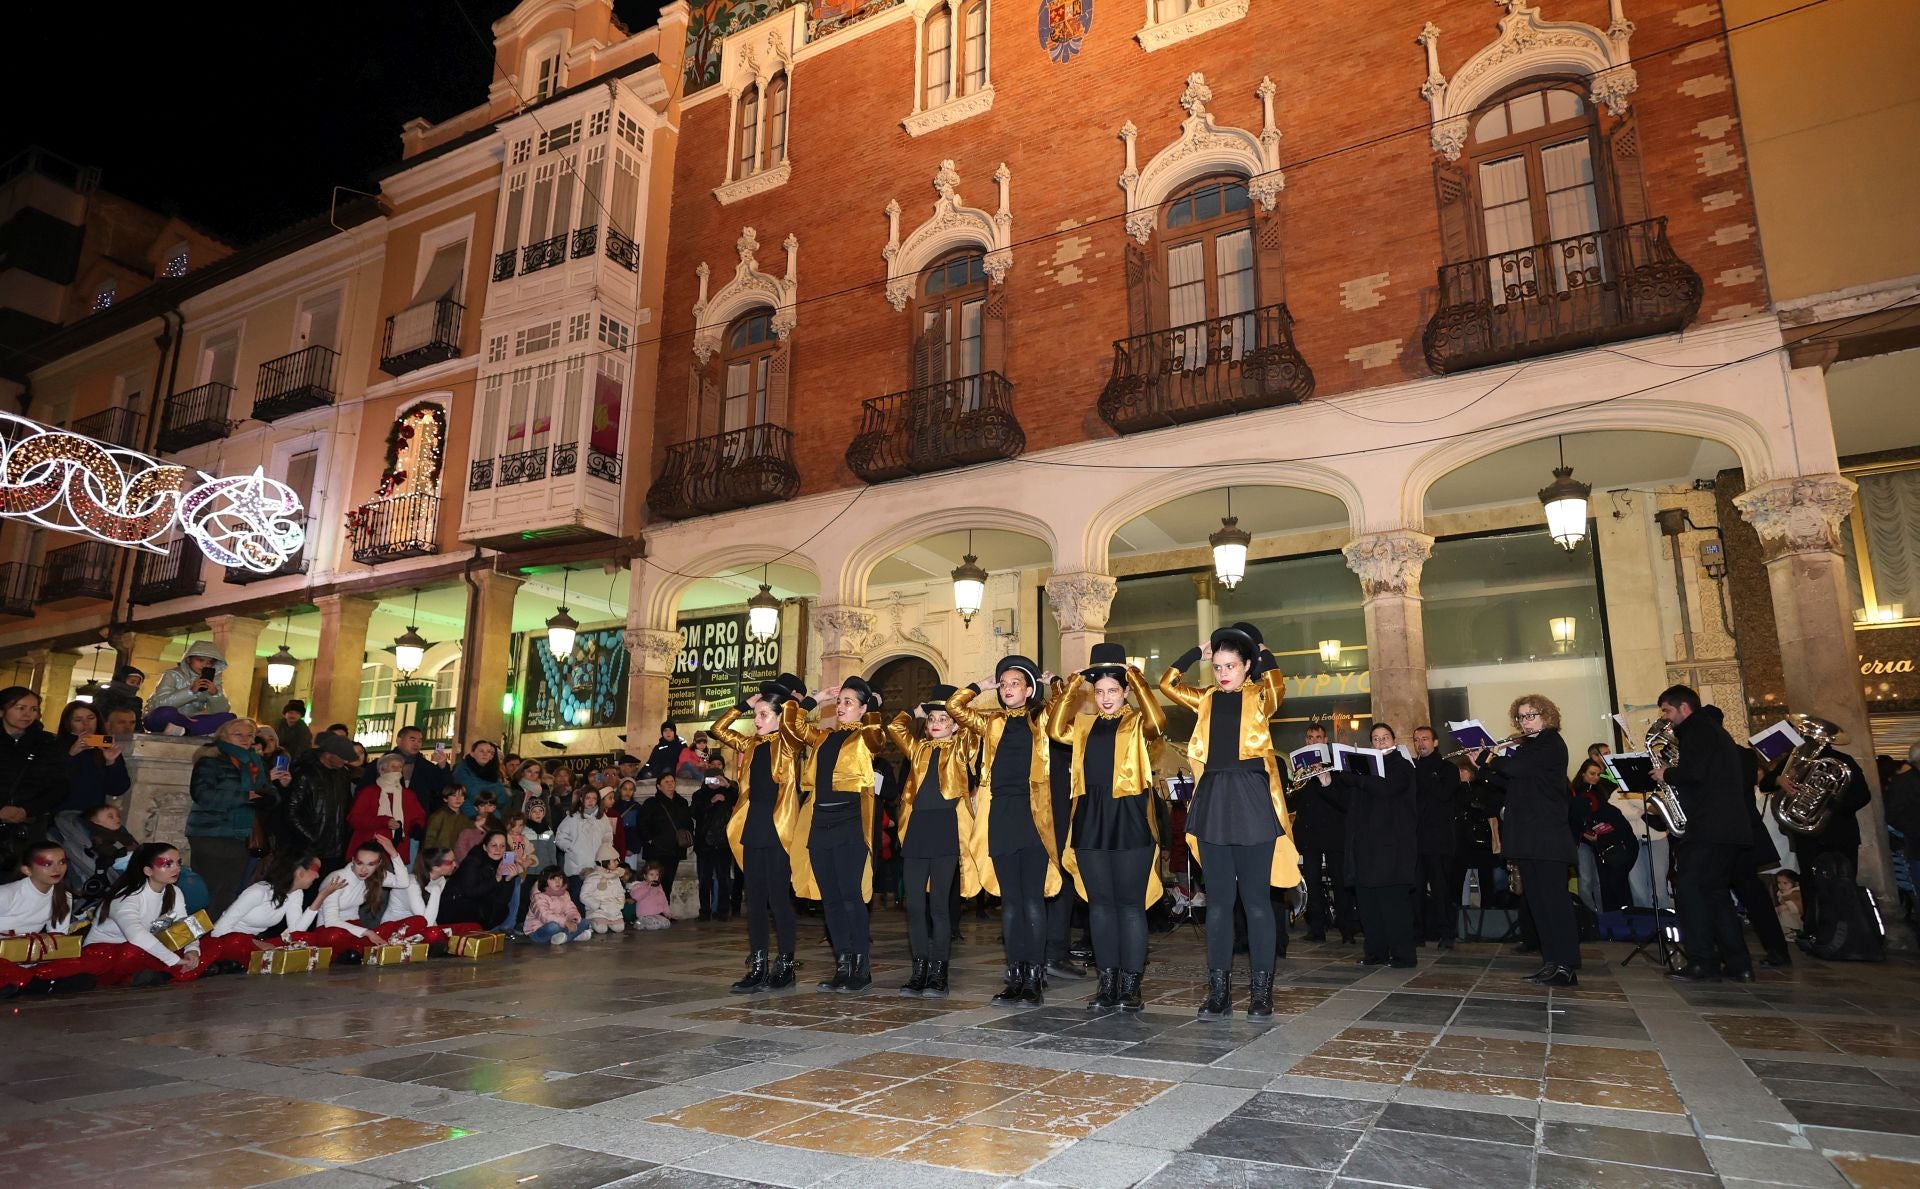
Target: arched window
{"type": "Point", "coordinates": [746, 136]}
{"type": "Point", "coordinates": [939, 57]}
{"type": "Point", "coordinates": [1207, 235]}
{"type": "Point", "coordinates": [973, 56]}
{"type": "Point", "coordinates": [952, 310]}
{"type": "Point", "coordinates": [1532, 157]}
{"type": "Point", "coordinates": [776, 119]}
{"type": "Point", "coordinates": [746, 364]}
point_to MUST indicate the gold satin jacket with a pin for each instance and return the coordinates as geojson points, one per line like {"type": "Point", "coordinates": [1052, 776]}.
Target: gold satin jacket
{"type": "Point", "coordinates": [988, 726]}
{"type": "Point", "coordinates": [786, 776]}
{"type": "Point", "coordinates": [955, 758]}
{"type": "Point", "coordinates": [1259, 701]}
{"type": "Point", "coordinates": [852, 773]}
{"type": "Point", "coordinates": [1141, 724]}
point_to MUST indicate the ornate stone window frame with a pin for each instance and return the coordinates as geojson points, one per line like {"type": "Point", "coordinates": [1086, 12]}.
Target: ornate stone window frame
{"type": "Point", "coordinates": [1203, 147]}
{"type": "Point", "coordinates": [924, 119]}
{"type": "Point", "coordinates": [952, 225]}
{"type": "Point", "coordinates": [740, 68]}
{"type": "Point", "coordinates": [1527, 47]}
{"type": "Point", "coordinates": [748, 290]}
{"type": "Point", "coordinates": [1158, 35]}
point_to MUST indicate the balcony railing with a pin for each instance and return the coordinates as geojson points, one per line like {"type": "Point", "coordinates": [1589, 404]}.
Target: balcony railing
{"type": "Point", "coordinates": [736, 469]}
{"type": "Point", "coordinates": [119, 426]}
{"type": "Point", "coordinates": [954, 423]}
{"type": "Point", "coordinates": [78, 572]}
{"type": "Point", "coordinates": [1602, 287]}
{"type": "Point", "coordinates": [525, 466]}
{"type": "Point", "coordinates": [585, 240]}
{"type": "Point", "coordinates": [503, 263]}
{"type": "Point", "coordinates": [174, 574]}
{"type": "Point", "coordinates": [19, 588]}
{"type": "Point", "coordinates": [622, 251]}
{"type": "Point", "coordinates": [195, 416]}
{"type": "Point", "coordinates": [396, 527]}
{"type": "Point", "coordinates": [480, 474]}
{"type": "Point", "coordinates": [602, 465]}
{"type": "Point", "coordinates": [1205, 369]}
{"type": "Point", "coordinates": [297, 564]}
{"type": "Point", "coordinates": [295, 383]}
{"type": "Point", "coordinates": [422, 335]}
{"type": "Point", "coordinates": [545, 254]}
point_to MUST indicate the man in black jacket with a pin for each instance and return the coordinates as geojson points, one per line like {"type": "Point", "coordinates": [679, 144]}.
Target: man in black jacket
{"type": "Point", "coordinates": [1320, 832]}
{"type": "Point", "coordinates": [313, 813]}
{"type": "Point", "coordinates": [1709, 779]}
{"type": "Point", "coordinates": [666, 829]}
{"type": "Point", "coordinates": [1837, 927]}
{"type": "Point", "coordinates": [713, 854]}
{"type": "Point", "coordinates": [1436, 780]}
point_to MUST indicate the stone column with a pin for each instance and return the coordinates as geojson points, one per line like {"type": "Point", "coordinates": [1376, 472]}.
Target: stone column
{"type": "Point", "coordinates": [238, 639]}
{"type": "Point", "coordinates": [846, 633]}
{"type": "Point", "coordinates": [336, 664]}
{"type": "Point", "coordinates": [1389, 566]}
{"type": "Point", "coordinates": [650, 657]}
{"type": "Point", "coordinates": [142, 650]}
{"type": "Point", "coordinates": [1081, 602]}
{"type": "Point", "coordinates": [1206, 609]}
{"type": "Point", "coordinates": [1799, 522]}
{"type": "Point", "coordinates": [53, 681]}
{"type": "Point", "coordinates": [486, 656]}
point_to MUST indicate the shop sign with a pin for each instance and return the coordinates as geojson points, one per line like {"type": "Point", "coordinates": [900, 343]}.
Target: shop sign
{"type": "Point", "coordinates": [1887, 663]}
{"type": "Point", "coordinates": [718, 662]}
{"type": "Point", "coordinates": [1329, 685]}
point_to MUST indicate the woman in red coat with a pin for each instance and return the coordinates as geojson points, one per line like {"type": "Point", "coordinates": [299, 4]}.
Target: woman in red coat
{"type": "Point", "coordinates": [387, 809]}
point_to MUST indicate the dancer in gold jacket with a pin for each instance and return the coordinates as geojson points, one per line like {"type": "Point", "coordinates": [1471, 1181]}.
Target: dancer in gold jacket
{"type": "Point", "coordinates": [936, 816]}
{"type": "Point", "coordinates": [1012, 842]}
{"type": "Point", "coordinates": [1238, 825]}
{"type": "Point", "coordinates": [1114, 841]}
{"type": "Point", "coordinates": [761, 827]}
{"type": "Point", "coordinates": [835, 863]}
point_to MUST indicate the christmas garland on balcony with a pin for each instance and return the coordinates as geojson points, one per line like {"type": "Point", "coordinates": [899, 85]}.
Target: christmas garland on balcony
{"type": "Point", "coordinates": [406, 427]}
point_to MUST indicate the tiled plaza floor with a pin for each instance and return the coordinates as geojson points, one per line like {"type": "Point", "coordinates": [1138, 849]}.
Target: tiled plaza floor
{"type": "Point", "coordinates": [625, 1062]}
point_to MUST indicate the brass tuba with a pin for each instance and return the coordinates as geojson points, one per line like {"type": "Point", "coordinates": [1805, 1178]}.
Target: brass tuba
{"type": "Point", "coordinates": [1664, 749]}
{"type": "Point", "coordinates": [1818, 780]}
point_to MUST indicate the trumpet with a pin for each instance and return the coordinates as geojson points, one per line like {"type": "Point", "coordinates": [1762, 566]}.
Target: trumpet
{"type": "Point", "coordinates": [1498, 745]}
{"type": "Point", "coordinates": [1300, 776]}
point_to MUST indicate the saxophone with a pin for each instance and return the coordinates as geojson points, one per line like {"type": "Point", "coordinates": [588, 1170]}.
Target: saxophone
{"type": "Point", "coordinates": [1818, 780]}
{"type": "Point", "coordinates": [1665, 752]}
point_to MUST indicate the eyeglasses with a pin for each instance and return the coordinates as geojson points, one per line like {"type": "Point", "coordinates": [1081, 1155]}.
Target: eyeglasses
{"type": "Point", "coordinates": [1526, 715]}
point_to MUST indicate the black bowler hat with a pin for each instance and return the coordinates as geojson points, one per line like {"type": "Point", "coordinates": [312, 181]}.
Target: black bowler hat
{"type": "Point", "coordinates": [1027, 667]}
{"type": "Point", "coordinates": [1108, 660]}
{"type": "Point", "coordinates": [1252, 633]}
{"type": "Point", "coordinates": [791, 685]}
{"type": "Point", "coordinates": [937, 700]}
{"type": "Point", "coordinates": [773, 693]}
{"type": "Point", "coordinates": [1235, 639]}
{"type": "Point", "coordinates": [860, 689]}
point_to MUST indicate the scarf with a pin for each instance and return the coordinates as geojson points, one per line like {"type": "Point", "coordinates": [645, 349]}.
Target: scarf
{"type": "Point", "coordinates": [390, 789]}
{"type": "Point", "coordinates": [247, 760]}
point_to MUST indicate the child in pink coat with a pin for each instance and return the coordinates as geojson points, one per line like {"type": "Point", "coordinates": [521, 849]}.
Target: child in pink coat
{"type": "Point", "coordinates": [650, 900]}
{"type": "Point", "coordinates": [553, 916]}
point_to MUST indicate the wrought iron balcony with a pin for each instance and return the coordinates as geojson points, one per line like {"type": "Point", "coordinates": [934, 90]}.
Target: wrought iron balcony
{"type": "Point", "coordinates": [1603, 287]}
{"type": "Point", "coordinates": [480, 474]}
{"type": "Point", "coordinates": [586, 240]}
{"type": "Point", "coordinates": [602, 465]}
{"type": "Point", "coordinates": [422, 335]}
{"type": "Point", "coordinates": [503, 263]}
{"type": "Point", "coordinates": [1205, 369]}
{"type": "Point", "coordinates": [295, 383]}
{"type": "Point", "coordinates": [545, 254]}
{"type": "Point", "coordinates": [82, 571]}
{"type": "Point", "coordinates": [119, 426]}
{"type": "Point", "coordinates": [736, 469]}
{"type": "Point", "coordinates": [174, 574]}
{"type": "Point", "coordinates": [622, 251]}
{"type": "Point", "coordinates": [525, 466]}
{"type": "Point", "coordinates": [195, 416]}
{"type": "Point", "coordinates": [297, 564]}
{"type": "Point", "coordinates": [396, 527]}
{"type": "Point", "coordinates": [19, 588]}
{"type": "Point", "coordinates": [954, 423]}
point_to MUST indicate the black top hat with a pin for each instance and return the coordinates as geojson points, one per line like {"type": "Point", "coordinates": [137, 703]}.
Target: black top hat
{"type": "Point", "coordinates": [1107, 660]}
{"type": "Point", "coordinates": [1252, 633]}
{"type": "Point", "coordinates": [937, 700]}
{"type": "Point", "coordinates": [793, 686]}
{"type": "Point", "coordinates": [860, 689]}
{"type": "Point", "coordinates": [1025, 665]}
{"type": "Point", "coordinates": [1235, 639]}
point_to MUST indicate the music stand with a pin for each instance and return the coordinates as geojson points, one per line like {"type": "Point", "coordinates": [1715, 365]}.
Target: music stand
{"type": "Point", "coordinates": [1668, 950]}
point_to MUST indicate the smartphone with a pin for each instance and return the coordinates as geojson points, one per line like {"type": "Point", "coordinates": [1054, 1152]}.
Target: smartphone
{"type": "Point", "coordinates": [280, 763]}
{"type": "Point", "coordinates": [716, 780]}
{"type": "Point", "coordinates": [100, 741]}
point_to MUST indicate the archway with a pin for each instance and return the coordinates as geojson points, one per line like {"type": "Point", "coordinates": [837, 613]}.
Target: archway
{"type": "Point", "coordinates": [903, 683]}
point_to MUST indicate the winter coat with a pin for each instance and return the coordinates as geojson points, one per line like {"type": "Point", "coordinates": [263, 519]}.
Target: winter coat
{"type": "Point", "coordinates": [1320, 817]}
{"type": "Point", "coordinates": [1436, 781]}
{"type": "Point", "coordinates": [295, 740]}
{"type": "Point", "coordinates": [579, 840]}
{"type": "Point", "coordinates": [33, 774]}
{"type": "Point", "coordinates": [1534, 823]}
{"type": "Point", "coordinates": [554, 908]}
{"type": "Point", "coordinates": [313, 809]}
{"type": "Point", "coordinates": [661, 819]}
{"type": "Point", "coordinates": [117, 696]}
{"type": "Point", "coordinates": [364, 819]}
{"type": "Point", "coordinates": [91, 781]}
{"type": "Point", "coordinates": [603, 894]}
{"type": "Point", "coordinates": [475, 893]}
{"type": "Point", "coordinates": [223, 800]}
{"type": "Point", "coordinates": [1382, 824]}
{"type": "Point", "coordinates": [175, 687]}
{"type": "Point", "coordinates": [649, 900]}
{"type": "Point", "coordinates": [427, 779]}
{"type": "Point", "coordinates": [1711, 780]}
{"type": "Point", "coordinates": [444, 828]}
{"type": "Point", "coordinates": [469, 777]}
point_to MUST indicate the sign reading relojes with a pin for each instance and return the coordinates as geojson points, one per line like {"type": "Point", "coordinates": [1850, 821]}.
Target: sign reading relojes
{"type": "Point", "coordinates": [718, 662]}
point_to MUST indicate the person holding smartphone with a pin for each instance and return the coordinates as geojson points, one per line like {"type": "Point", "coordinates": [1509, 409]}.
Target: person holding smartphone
{"type": "Point", "coordinates": [230, 782]}
{"type": "Point", "coordinates": [96, 770]}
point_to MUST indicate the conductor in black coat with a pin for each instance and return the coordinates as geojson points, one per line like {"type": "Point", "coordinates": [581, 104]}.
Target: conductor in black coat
{"type": "Point", "coordinates": [1436, 781]}
{"type": "Point", "coordinates": [1710, 779]}
{"type": "Point", "coordinates": [1319, 811]}
{"type": "Point", "coordinates": [1382, 853]}
{"type": "Point", "coordinates": [1534, 834]}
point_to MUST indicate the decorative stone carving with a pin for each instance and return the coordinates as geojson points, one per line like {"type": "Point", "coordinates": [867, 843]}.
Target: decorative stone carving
{"type": "Point", "coordinates": [1527, 47]}
{"type": "Point", "coordinates": [652, 651]}
{"type": "Point", "coordinates": [953, 224]}
{"type": "Point", "coordinates": [1082, 601]}
{"type": "Point", "coordinates": [846, 630]}
{"type": "Point", "coordinates": [1189, 24]}
{"type": "Point", "coordinates": [1203, 147]}
{"type": "Point", "coordinates": [1801, 515]}
{"type": "Point", "coordinates": [949, 113]}
{"type": "Point", "coordinates": [748, 289]}
{"type": "Point", "coordinates": [1390, 563]}
{"type": "Point", "coordinates": [900, 630]}
{"type": "Point", "coordinates": [754, 183]}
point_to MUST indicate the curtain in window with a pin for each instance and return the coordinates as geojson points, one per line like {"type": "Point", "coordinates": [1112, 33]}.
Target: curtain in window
{"type": "Point", "coordinates": [1187, 299]}
{"type": "Point", "coordinates": [1507, 216]}
{"type": "Point", "coordinates": [1890, 508]}
{"type": "Point", "coordinates": [1233, 265]}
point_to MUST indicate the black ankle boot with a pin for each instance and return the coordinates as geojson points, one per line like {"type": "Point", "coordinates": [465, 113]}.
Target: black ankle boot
{"type": "Point", "coordinates": [756, 977]}
{"type": "Point", "coordinates": [1130, 991]}
{"type": "Point", "coordinates": [1009, 995]}
{"type": "Point", "coordinates": [859, 978]}
{"type": "Point", "coordinates": [1108, 996]}
{"type": "Point", "coordinates": [1219, 1002]}
{"type": "Point", "coordinates": [936, 987]}
{"type": "Point", "coordinates": [842, 970]}
{"type": "Point", "coordinates": [1033, 986]}
{"type": "Point", "coordinates": [916, 986]}
{"type": "Point", "coordinates": [1260, 996]}
{"type": "Point", "coordinates": [781, 976]}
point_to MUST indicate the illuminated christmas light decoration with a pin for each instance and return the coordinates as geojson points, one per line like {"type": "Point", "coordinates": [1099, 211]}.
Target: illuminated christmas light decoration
{"type": "Point", "coordinates": [72, 483]}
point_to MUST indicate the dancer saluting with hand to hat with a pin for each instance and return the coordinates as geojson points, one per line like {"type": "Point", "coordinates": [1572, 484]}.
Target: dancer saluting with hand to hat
{"type": "Point", "coordinates": [835, 866]}
{"type": "Point", "coordinates": [936, 815]}
{"type": "Point", "coordinates": [762, 827]}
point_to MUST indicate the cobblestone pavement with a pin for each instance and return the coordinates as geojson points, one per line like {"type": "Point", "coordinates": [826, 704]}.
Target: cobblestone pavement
{"type": "Point", "coordinates": [625, 1062]}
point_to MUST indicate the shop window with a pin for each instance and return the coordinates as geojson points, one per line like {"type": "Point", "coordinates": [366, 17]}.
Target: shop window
{"type": "Point", "coordinates": [1882, 544]}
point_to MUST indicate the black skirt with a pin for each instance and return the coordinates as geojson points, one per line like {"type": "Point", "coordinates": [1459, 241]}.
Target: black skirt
{"type": "Point", "coordinates": [1233, 807]}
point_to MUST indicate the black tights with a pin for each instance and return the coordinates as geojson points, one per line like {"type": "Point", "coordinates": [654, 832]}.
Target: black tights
{"type": "Point", "coordinates": [1116, 882]}
{"type": "Point", "coordinates": [929, 884]}
{"type": "Point", "coordinates": [1023, 903]}
{"type": "Point", "coordinates": [1240, 873]}
{"type": "Point", "coordinates": [838, 871]}
{"type": "Point", "coordinates": [769, 890]}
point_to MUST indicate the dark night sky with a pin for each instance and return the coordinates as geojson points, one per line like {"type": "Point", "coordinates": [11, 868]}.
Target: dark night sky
{"type": "Point", "coordinates": [242, 118]}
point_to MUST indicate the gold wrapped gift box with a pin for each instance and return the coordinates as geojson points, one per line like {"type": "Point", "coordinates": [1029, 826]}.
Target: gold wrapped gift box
{"type": "Point", "coordinates": [477, 945]}
{"type": "Point", "coordinates": [183, 933]}
{"type": "Point", "coordinates": [394, 955]}
{"type": "Point", "coordinates": [23, 949]}
{"type": "Point", "coordinates": [292, 959]}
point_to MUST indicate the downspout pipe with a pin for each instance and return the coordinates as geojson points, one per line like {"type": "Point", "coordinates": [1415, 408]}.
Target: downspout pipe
{"type": "Point", "coordinates": [468, 675]}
